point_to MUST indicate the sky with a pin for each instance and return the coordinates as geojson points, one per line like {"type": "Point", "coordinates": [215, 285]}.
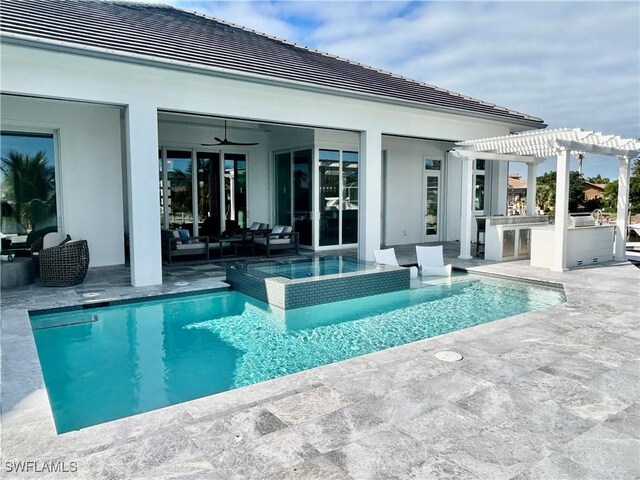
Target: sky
{"type": "Point", "coordinates": [573, 64]}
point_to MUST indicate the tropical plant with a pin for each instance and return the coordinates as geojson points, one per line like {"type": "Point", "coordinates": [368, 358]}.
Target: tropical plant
{"type": "Point", "coordinates": [599, 179]}
{"type": "Point", "coordinates": [546, 191]}
{"type": "Point", "coordinates": [610, 196]}
{"type": "Point", "coordinates": [29, 182]}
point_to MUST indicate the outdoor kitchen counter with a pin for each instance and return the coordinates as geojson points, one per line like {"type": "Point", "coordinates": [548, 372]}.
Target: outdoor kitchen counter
{"type": "Point", "coordinates": [508, 238]}
{"type": "Point", "coordinates": [585, 245]}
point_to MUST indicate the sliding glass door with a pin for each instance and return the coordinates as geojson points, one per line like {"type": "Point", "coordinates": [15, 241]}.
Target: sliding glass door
{"type": "Point", "coordinates": [293, 184]}
{"type": "Point", "coordinates": [210, 187]}
{"type": "Point", "coordinates": [338, 197]}
{"type": "Point", "coordinates": [209, 197]}
{"type": "Point", "coordinates": [235, 191]}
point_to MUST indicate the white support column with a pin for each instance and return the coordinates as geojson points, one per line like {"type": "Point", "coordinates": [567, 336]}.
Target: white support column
{"type": "Point", "coordinates": [559, 262]}
{"type": "Point", "coordinates": [624, 170]}
{"type": "Point", "coordinates": [531, 188]}
{"type": "Point", "coordinates": [370, 193]}
{"type": "Point", "coordinates": [466, 206]}
{"type": "Point", "coordinates": [144, 199]}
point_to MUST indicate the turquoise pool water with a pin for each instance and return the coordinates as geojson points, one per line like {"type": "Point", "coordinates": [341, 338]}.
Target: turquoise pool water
{"type": "Point", "coordinates": [108, 363]}
{"type": "Point", "coordinates": [313, 267]}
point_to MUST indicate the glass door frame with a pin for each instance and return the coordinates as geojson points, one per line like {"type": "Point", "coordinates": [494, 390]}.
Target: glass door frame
{"type": "Point", "coordinates": [426, 174]}
{"type": "Point", "coordinates": [341, 148]}
{"type": "Point", "coordinates": [314, 189]}
{"type": "Point", "coordinates": [163, 148]}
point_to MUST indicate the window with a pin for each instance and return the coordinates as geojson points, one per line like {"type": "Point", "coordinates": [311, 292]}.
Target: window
{"type": "Point", "coordinates": [479, 185]}
{"type": "Point", "coordinates": [28, 183]}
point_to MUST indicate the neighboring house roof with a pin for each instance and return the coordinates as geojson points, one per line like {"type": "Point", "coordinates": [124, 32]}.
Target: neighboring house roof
{"type": "Point", "coordinates": [161, 32]}
{"type": "Point", "coordinates": [595, 186]}
{"type": "Point", "coordinates": [516, 183]}
{"type": "Point", "coordinates": [593, 190]}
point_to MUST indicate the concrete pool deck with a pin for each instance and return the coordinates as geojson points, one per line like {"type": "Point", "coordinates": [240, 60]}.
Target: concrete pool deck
{"type": "Point", "coordinates": [548, 394]}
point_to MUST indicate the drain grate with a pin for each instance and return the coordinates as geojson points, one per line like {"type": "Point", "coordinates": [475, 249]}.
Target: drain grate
{"type": "Point", "coordinates": [448, 356]}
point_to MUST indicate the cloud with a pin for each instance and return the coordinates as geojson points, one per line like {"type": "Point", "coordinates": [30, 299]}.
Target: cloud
{"type": "Point", "coordinates": [571, 63]}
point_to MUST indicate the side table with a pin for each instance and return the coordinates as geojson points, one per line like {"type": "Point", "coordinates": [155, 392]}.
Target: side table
{"type": "Point", "coordinates": [17, 273]}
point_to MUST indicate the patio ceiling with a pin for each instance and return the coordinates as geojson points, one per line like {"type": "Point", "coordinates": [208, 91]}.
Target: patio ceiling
{"type": "Point", "coordinates": [538, 144]}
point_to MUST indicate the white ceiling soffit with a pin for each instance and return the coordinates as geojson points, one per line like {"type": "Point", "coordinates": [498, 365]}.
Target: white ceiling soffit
{"type": "Point", "coordinates": [547, 143]}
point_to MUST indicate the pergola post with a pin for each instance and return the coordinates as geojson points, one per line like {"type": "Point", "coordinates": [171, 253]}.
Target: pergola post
{"type": "Point", "coordinates": [531, 188]}
{"type": "Point", "coordinates": [624, 170]}
{"type": "Point", "coordinates": [466, 203]}
{"type": "Point", "coordinates": [559, 262]}
{"type": "Point", "coordinates": [370, 196]}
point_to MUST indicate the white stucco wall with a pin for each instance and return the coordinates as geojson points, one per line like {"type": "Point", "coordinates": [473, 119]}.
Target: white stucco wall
{"type": "Point", "coordinates": [404, 186]}
{"type": "Point", "coordinates": [90, 168]}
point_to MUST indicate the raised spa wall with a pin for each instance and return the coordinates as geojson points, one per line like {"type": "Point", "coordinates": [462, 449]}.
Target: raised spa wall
{"type": "Point", "coordinates": [288, 293]}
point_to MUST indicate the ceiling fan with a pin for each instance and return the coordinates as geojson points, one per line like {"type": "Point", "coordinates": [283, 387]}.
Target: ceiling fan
{"type": "Point", "coordinates": [225, 141]}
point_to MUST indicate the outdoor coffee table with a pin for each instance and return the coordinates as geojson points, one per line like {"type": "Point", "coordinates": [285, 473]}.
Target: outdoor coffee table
{"type": "Point", "coordinates": [231, 242]}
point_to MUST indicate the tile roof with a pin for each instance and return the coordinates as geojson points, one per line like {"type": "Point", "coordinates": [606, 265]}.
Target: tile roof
{"type": "Point", "coordinates": [166, 33]}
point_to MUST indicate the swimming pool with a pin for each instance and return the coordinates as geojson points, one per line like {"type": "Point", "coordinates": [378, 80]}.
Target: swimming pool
{"type": "Point", "coordinates": [107, 363]}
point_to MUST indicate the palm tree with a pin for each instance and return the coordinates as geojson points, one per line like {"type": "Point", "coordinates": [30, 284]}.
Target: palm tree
{"type": "Point", "coordinates": [29, 182]}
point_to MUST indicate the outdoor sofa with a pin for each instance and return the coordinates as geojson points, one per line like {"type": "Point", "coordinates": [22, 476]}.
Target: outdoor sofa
{"type": "Point", "coordinates": [281, 237]}
{"type": "Point", "coordinates": [178, 243]}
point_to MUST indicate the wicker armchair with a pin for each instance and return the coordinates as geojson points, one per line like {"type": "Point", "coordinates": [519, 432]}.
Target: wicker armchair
{"type": "Point", "coordinates": [64, 265]}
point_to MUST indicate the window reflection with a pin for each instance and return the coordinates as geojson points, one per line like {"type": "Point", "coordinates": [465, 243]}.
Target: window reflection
{"type": "Point", "coordinates": [28, 183]}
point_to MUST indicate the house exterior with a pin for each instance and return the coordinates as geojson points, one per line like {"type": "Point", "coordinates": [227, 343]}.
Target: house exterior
{"type": "Point", "coordinates": [516, 195]}
{"type": "Point", "coordinates": [127, 100]}
{"type": "Point", "coordinates": [593, 190]}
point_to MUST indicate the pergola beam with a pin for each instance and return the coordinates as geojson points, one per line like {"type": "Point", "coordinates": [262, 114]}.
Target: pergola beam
{"type": "Point", "coordinates": [503, 157]}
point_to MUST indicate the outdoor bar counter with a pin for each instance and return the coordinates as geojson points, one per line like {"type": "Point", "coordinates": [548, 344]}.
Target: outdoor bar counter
{"type": "Point", "coordinates": [509, 238]}
{"type": "Point", "coordinates": [586, 244]}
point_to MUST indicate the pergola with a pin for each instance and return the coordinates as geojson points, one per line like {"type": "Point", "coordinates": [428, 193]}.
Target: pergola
{"type": "Point", "coordinates": [533, 147]}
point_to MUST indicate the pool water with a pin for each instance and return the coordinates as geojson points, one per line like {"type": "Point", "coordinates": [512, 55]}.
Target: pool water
{"type": "Point", "coordinates": [107, 363]}
{"type": "Point", "coordinates": [313, 267]}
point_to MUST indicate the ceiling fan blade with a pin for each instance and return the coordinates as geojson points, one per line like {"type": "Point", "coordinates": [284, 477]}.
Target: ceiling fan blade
{"type": "Point", "coordinates": [227, 142]}
{"type": "Point", "coordinates": [240, 143]}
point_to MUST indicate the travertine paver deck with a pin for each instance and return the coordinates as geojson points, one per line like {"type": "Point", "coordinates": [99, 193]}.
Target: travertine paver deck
{"type": "Point", "coordinates": [544, 395]}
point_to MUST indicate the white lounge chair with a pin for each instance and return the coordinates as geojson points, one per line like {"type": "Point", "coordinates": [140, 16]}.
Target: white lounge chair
{"type": "Point", "coordinates": [387, 256]}
{"type": "Point", "coordinates": [431, 262]}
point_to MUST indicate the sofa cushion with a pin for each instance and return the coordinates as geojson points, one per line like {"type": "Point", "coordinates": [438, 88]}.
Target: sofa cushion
{"type": "Point", "coordinates": [255, 226]}
{"type": "Point", "coordinates": [278, 229]}
{"type": "Point", "coordinates": [272, 241]}
{"type": "Point", "coordinates": [184, 233]}
{"type": "Point", "coordinates": [191, 246]}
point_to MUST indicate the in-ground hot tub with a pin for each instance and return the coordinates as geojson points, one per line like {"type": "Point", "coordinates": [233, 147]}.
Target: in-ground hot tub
{"type": "Point", "coordinates": [301, 283]}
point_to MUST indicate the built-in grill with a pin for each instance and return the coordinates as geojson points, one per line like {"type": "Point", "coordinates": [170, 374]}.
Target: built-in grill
{"type": "Point", "coordinates": [581, 220]}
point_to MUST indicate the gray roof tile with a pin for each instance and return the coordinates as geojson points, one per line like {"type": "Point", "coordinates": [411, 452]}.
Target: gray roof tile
{"type": "Point", "coordinates": [168, 33]}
